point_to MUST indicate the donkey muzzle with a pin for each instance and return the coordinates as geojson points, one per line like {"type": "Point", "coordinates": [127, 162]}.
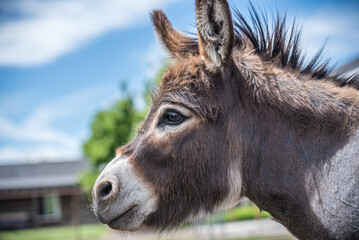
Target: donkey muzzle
{"type": "Point", "coordinates": [120, 198]}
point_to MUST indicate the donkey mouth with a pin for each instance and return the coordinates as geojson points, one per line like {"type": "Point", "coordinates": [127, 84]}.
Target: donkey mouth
{"type": "Point", "coordinates": [121, 222]}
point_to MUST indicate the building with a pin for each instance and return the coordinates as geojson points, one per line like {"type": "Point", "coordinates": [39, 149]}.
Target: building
{"type": "Point", "coordinates": [42, 194]}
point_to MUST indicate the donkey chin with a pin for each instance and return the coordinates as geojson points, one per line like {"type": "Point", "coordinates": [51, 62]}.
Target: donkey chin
{"type": "Point", "coordinates": [120, 199]}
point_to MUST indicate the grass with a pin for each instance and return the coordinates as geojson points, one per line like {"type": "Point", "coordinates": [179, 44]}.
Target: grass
{"type": "Point", "coordinates": [88, 232]}
{"type": "Point", "coordinates": [97, 231]}
{"type": "Point", "coordinates": [266, 238]}
{"type": "Point", "coordinates": [239, 214]}
{"type": "Point", "coordinates": [258, 238]}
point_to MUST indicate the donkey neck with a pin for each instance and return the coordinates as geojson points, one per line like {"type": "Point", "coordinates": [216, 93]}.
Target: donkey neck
{"type": "Point", "coordinates": [289, 128]}
{"type": "Point", "coordinates": [298, 96]}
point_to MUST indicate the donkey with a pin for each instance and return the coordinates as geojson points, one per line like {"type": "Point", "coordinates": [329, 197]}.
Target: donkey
{"type": "Point", "coordinates": [239, 113]}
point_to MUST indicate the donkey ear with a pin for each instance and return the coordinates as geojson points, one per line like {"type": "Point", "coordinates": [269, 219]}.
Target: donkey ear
{"type": "Point", "coordinates": [215, 31]}
{"type": "Point", "coordinates": [176, 43]}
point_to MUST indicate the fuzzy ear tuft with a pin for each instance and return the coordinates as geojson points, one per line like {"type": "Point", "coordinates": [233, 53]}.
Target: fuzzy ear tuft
{"type": "Point", "coordinates": [215, 31]}
{"type": "Point", "coordinates": [176, 43]}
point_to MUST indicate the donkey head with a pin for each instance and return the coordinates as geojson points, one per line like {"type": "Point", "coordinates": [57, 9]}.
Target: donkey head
{"type": "Point", "coordinates": [181, 164]}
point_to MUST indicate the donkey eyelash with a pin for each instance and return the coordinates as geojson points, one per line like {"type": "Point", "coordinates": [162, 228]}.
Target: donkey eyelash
{"type": "Point", "coordinates": [171, 117]}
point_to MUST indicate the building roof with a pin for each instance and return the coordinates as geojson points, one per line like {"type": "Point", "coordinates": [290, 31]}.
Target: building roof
{"type": "Point", "coordinates": [40, 175]}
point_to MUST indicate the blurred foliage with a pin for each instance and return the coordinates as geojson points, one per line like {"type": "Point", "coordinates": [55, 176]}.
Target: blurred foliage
{"type": "Point", "coordinates": [87, 179]}
{"type": "Point", "coordinates": [246, 212]}
{"type": "Point", "coordinates": [112, 128]}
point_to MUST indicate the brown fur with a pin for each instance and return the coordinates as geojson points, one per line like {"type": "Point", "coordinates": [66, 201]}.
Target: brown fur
{"type": "Point", "coordinates": [171, 171]}
{"type": "Point", "coordinates": [177, 44]}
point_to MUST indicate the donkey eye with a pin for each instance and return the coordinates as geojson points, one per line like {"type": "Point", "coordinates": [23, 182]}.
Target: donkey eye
{"type": "Point", "coordinates": [172, 117]}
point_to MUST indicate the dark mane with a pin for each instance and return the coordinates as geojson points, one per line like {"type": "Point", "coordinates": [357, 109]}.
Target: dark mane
{"type": "Point", "coordinates": [281, 46]}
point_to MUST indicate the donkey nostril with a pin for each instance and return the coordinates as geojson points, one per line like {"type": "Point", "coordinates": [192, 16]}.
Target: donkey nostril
{"type": "Point", "coordinates": [104, 190]}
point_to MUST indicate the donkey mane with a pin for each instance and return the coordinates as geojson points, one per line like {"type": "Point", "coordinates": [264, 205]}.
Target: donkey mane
{"type": "Point", "coordinates": [279, 46]}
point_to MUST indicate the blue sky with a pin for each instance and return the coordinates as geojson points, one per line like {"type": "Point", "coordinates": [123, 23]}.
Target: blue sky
{"type": "Point", "coordinates": [61, 61]}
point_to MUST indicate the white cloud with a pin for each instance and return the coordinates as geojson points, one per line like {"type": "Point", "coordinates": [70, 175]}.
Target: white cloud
{"type": "Point", "coordinates": [38, 138]}
{"type": "Point", "coordinates": [338, 25]}
{"type": "Point", "coordinates": [46, 144]}
{"type": "Point", "coordinates": [49, 29]}
{"type": "Point", "coordinates": [154, 59]}
{"type": "Point", "coordinates": [15, 103]}
{"type": "Point", "coordinates": [40, 153]}
{"type": "Point", "coordinates": [35, 133]}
